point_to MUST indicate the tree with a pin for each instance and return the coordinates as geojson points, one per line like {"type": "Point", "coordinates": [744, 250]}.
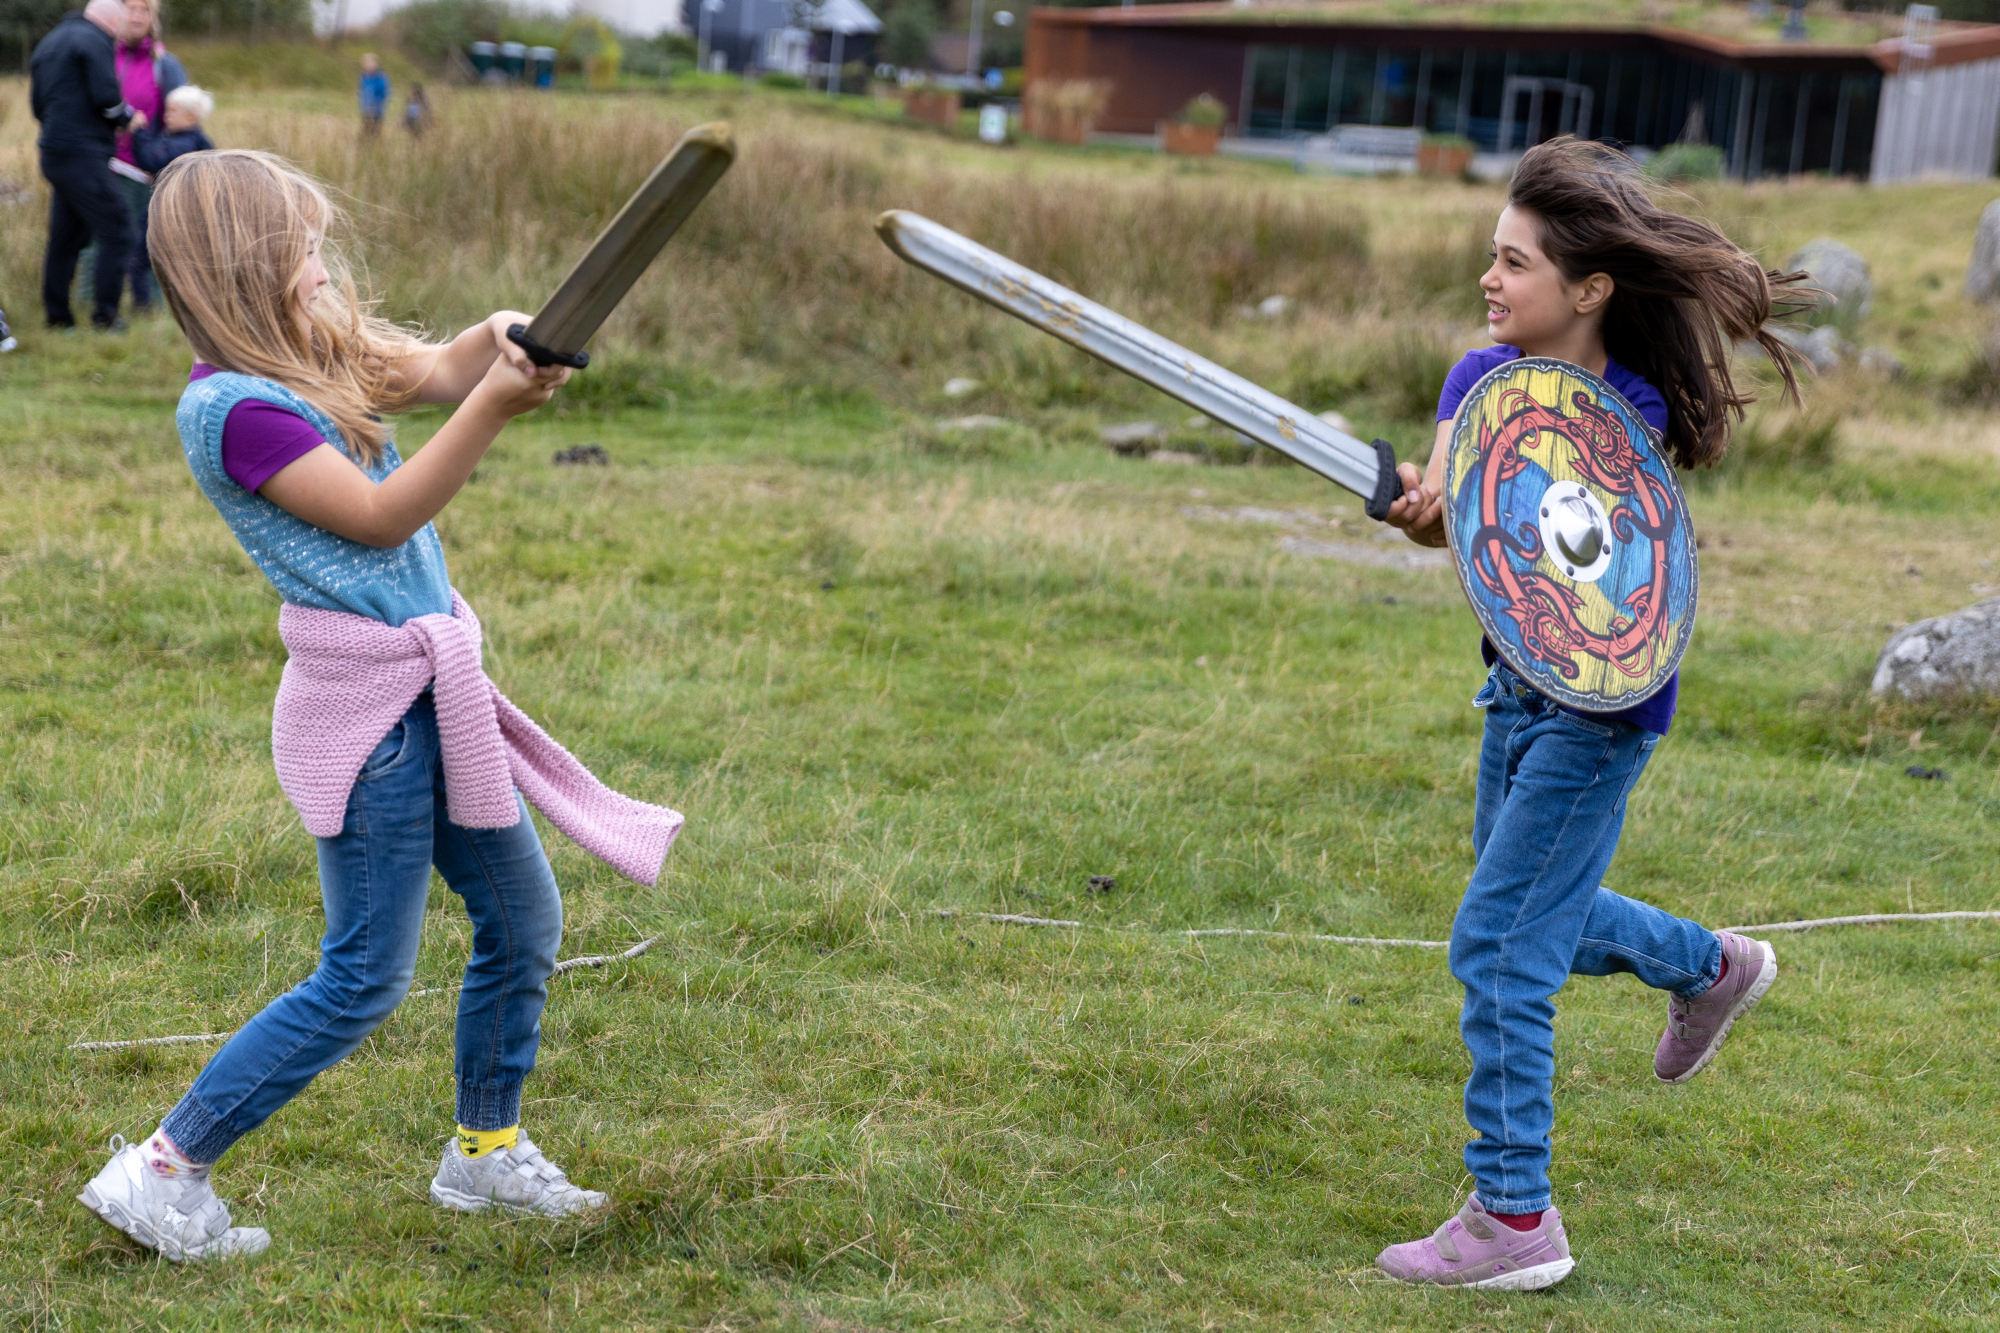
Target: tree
{"type": "Point", "coordinates": [907, 32]}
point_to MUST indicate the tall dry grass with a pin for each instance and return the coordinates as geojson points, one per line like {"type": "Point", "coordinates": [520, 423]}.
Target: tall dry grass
{"type": "Point", "coordinates": [780, 272]}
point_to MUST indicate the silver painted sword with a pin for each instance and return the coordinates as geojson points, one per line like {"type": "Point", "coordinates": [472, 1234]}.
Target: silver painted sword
{"type": "Point", "coordinates": [1368, 470]}
{"type": "Point", "coordinates": [615, 260]}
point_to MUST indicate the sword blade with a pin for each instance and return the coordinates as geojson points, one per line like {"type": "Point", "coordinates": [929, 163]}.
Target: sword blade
{"type": "Point", "coordinates": [614, 262]}
{"type": "Point", "coordinates": [1368, 470]}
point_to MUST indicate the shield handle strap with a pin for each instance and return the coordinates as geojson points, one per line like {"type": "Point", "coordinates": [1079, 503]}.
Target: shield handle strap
{"type": "Point", "coordinates": [543, 356]}
{"type": "Point", "coordinates": [1387, 485]}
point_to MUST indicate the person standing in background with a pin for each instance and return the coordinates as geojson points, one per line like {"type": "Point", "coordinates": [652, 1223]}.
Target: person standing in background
{"type": "Point", "coordinates": [146, 74]}
{"type": "Point", "coordinates": [374, 96]}
{"type": "Point", "coordinates": [75, 94]}
{"type": "Point", "coordinates": [417, 115]}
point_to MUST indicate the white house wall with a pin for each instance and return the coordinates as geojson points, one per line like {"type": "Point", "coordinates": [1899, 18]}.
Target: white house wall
{"type": "Point", "coordinates": [1940, 123]}
{"type": "Point", "coordinates": [641, 18]}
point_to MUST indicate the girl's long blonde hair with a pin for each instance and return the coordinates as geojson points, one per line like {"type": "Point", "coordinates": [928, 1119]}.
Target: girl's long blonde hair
{"type": "Point", "coordinates": [229, 233]}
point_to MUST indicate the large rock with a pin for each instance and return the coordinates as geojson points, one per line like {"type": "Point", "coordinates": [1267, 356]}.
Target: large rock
{"type": "Point", "coordinates": [1982, 280]}
{"type": "Point", "coordinates": [1839, 271]}
{"type": "Point", "coordinates": [1954, 654]}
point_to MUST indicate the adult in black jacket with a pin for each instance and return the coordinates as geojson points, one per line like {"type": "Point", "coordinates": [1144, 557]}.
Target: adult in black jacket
{"type": "Point", "coordinates": [76, 95]}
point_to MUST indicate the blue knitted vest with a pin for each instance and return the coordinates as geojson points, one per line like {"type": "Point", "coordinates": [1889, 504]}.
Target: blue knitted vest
{"type": "Point", "coordinates": [308, 566]}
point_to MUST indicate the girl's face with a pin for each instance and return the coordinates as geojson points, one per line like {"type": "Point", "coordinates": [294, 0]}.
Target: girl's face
{"type": "Point", "coordinates": [1528, 302]}
{"type": "Point", "coordinates": [313, 279]}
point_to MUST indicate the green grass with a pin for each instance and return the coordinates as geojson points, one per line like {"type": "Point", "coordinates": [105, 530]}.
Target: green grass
{"type": "Point", "coordinates": [889, 670]}
{"type": "Point", "coordinates": [881, 682]}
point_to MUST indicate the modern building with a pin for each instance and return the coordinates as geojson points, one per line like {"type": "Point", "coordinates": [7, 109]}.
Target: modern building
{"type": "Point", "coordinates": [1881, 97]}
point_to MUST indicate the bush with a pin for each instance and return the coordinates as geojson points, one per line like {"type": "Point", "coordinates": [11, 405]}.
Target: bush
{"type": "Point", "coordinates": [1686, 162]}
{"type": "Point", "coordinates": [1450, 141]}
{"type": "Point", "coordinates": [781, 80]}
{"type": "Point", "coordinates": [1204, 113]}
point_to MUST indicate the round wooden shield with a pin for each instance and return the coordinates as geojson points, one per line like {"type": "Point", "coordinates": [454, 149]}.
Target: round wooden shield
{"type": "Point", "coordinates": [1570, 533]}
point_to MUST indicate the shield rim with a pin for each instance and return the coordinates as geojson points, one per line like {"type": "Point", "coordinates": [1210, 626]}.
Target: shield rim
{"type": "Point", "coordinates": [1540, 676]}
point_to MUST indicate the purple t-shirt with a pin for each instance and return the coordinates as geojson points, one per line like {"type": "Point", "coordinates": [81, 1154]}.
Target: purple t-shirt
{"type": "Point", "coordinates": [260, 439]}
{"type": "Point", "coordinates": [1657, 713]}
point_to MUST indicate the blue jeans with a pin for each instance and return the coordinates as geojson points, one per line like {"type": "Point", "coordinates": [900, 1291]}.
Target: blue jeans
{"type": "Point", "coordinates": [1552, 790]}
{"type": "Point", "coordinates": [374, 881]}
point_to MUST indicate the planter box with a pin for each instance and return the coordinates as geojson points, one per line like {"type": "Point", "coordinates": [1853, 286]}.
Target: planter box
{"type": "Point", "coordinates": [1190, 140]}
{"type": "Point", "coordinates": [1435, 159]}
{"type": "Point", "coordinates": [932, 105]}
{"type": "Point", "coordinates": [1059, 125]}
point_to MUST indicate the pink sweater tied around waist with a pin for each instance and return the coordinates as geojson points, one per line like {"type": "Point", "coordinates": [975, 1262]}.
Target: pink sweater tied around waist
{"type": "Point", "coordinates": [350, 679]}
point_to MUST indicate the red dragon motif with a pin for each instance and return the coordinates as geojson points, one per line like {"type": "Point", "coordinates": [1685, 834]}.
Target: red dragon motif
{"type": "Point", "coordinates": [1544, 610]}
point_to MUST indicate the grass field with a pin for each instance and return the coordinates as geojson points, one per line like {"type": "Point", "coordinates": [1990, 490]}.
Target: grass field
{"type": "Point", "coordinates": [888, 672]}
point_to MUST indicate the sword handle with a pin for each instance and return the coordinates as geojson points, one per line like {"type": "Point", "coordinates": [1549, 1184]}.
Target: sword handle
{"type": "Point", "coordinates": [542, 356]}
{"type": "Point", "coordinates": [1387, 485]}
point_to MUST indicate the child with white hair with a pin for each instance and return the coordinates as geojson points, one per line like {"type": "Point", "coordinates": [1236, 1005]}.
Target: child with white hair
{"type": "Point", "coordinates": [179, 132]}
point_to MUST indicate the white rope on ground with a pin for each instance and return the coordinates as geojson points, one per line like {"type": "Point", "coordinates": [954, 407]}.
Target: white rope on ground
{"type": "Point", "coordinates": [147, 1041]}
{"type": "Point", "coordinates": [567, 965]}
{"type": "Point", "coordinates": [1015, 919]}
{"type": "Point", "coordinates": [1877, 919]}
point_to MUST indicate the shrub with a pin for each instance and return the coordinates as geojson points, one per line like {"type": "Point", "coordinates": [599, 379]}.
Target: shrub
{"type": "Point", "coordinates": [1449, 141]}
{"type": "Point", "coordinates": [1686, 162]}
{"type": "Point", "coordinates": [781, 80]}
{"type": "Point", "coordinates": [1204, 113]}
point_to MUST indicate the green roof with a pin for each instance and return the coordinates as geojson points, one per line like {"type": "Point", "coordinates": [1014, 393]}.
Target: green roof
{"type": "Point", "coordinates": [1731, 22]}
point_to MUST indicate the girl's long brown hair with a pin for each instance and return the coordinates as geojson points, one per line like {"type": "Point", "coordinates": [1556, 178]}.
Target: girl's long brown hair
{"type": "Point", "coordinates": [229, 233]}
{"type": "Point", "coordinates": [1682, 292]}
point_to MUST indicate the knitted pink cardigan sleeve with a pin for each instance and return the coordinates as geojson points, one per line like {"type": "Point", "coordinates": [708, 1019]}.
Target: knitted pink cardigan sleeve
{"type": "Point", "coordinates": [350, 679]}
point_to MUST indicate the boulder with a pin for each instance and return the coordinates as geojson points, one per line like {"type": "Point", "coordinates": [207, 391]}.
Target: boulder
{"type": "Point", "coordinates": [960, 386]}
{"type": "Point", "coordinates": [1982, 279]}
{"type": "Point", "coordinates": [1132, 437]}
{"type": "Point", "coordinates": [1882, 361]}
{"type": "Point", "coordinates": [1823, 346]}
{"type": "Point", "coordinates": [1839, 271]}
{"type": "Point", "coordinates": [1954, 654]}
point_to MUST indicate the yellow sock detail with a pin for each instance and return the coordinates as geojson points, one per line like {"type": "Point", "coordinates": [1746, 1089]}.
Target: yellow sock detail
{"type": "Point", "coordinates": [479, 1142]}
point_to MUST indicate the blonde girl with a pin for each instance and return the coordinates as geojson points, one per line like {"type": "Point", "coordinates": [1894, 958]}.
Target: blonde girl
{"type": "Point", "coordinates": [394, 746]}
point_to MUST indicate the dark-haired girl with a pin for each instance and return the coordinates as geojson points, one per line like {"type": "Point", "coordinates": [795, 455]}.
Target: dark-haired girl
{"type": "Point", "coordinates": [1588, 269]}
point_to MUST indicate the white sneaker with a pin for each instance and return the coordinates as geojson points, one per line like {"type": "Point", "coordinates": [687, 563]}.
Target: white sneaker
{"type": "Point", "coordinates": [517, 1179]}
{"type": "Point", "coordinates": [178, 1216]}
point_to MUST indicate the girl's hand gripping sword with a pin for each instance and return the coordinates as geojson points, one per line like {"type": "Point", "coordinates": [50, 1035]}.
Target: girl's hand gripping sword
{"type": "Point", "coordinates": [607, 271]}
{"type": "Point", "coordinates": [1369, 470]}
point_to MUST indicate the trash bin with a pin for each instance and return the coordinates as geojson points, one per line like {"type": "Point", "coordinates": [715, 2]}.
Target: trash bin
{"type": "Point", "coordinates": [542, 59]}
{"type": "Point", "coordinates": [485, 56]}
{"type": "Point", "coordinates": [513, 60]}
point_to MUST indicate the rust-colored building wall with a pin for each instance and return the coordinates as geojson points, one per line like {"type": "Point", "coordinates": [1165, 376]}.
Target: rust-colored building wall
{"type": "Point", "coordinates": [1156, 72]}
{"type": "Point", "coordinates": [1055, 50]}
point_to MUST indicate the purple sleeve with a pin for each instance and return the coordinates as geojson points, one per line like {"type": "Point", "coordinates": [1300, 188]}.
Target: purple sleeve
{"type": "Point", "coordinates": [260, 439]}
{"type": "Point", "coordinates": [1471, 368]}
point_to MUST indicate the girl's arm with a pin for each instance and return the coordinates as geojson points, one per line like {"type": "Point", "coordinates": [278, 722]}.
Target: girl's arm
{"type": "Point", "coordinates": [327, 490]}
{"type": "Point", "coordinates": [1419, 510]}
{"type": "Point", "coordinates": [447, 374]}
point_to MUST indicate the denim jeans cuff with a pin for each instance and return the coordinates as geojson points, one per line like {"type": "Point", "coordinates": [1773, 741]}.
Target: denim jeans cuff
{"type": "Point", "coordinates": [200, 1134]}
{"type": "Point", "coordinates": [1511, 1207]}
{"type": "Point", "coordinates": [489, 1105]}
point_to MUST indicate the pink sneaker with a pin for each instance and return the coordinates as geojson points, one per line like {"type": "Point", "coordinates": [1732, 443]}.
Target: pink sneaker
{"type": "Point", "coordinates": [1695, 1028]}
{"type": "Point", "coordinates": [1472, 1250]}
